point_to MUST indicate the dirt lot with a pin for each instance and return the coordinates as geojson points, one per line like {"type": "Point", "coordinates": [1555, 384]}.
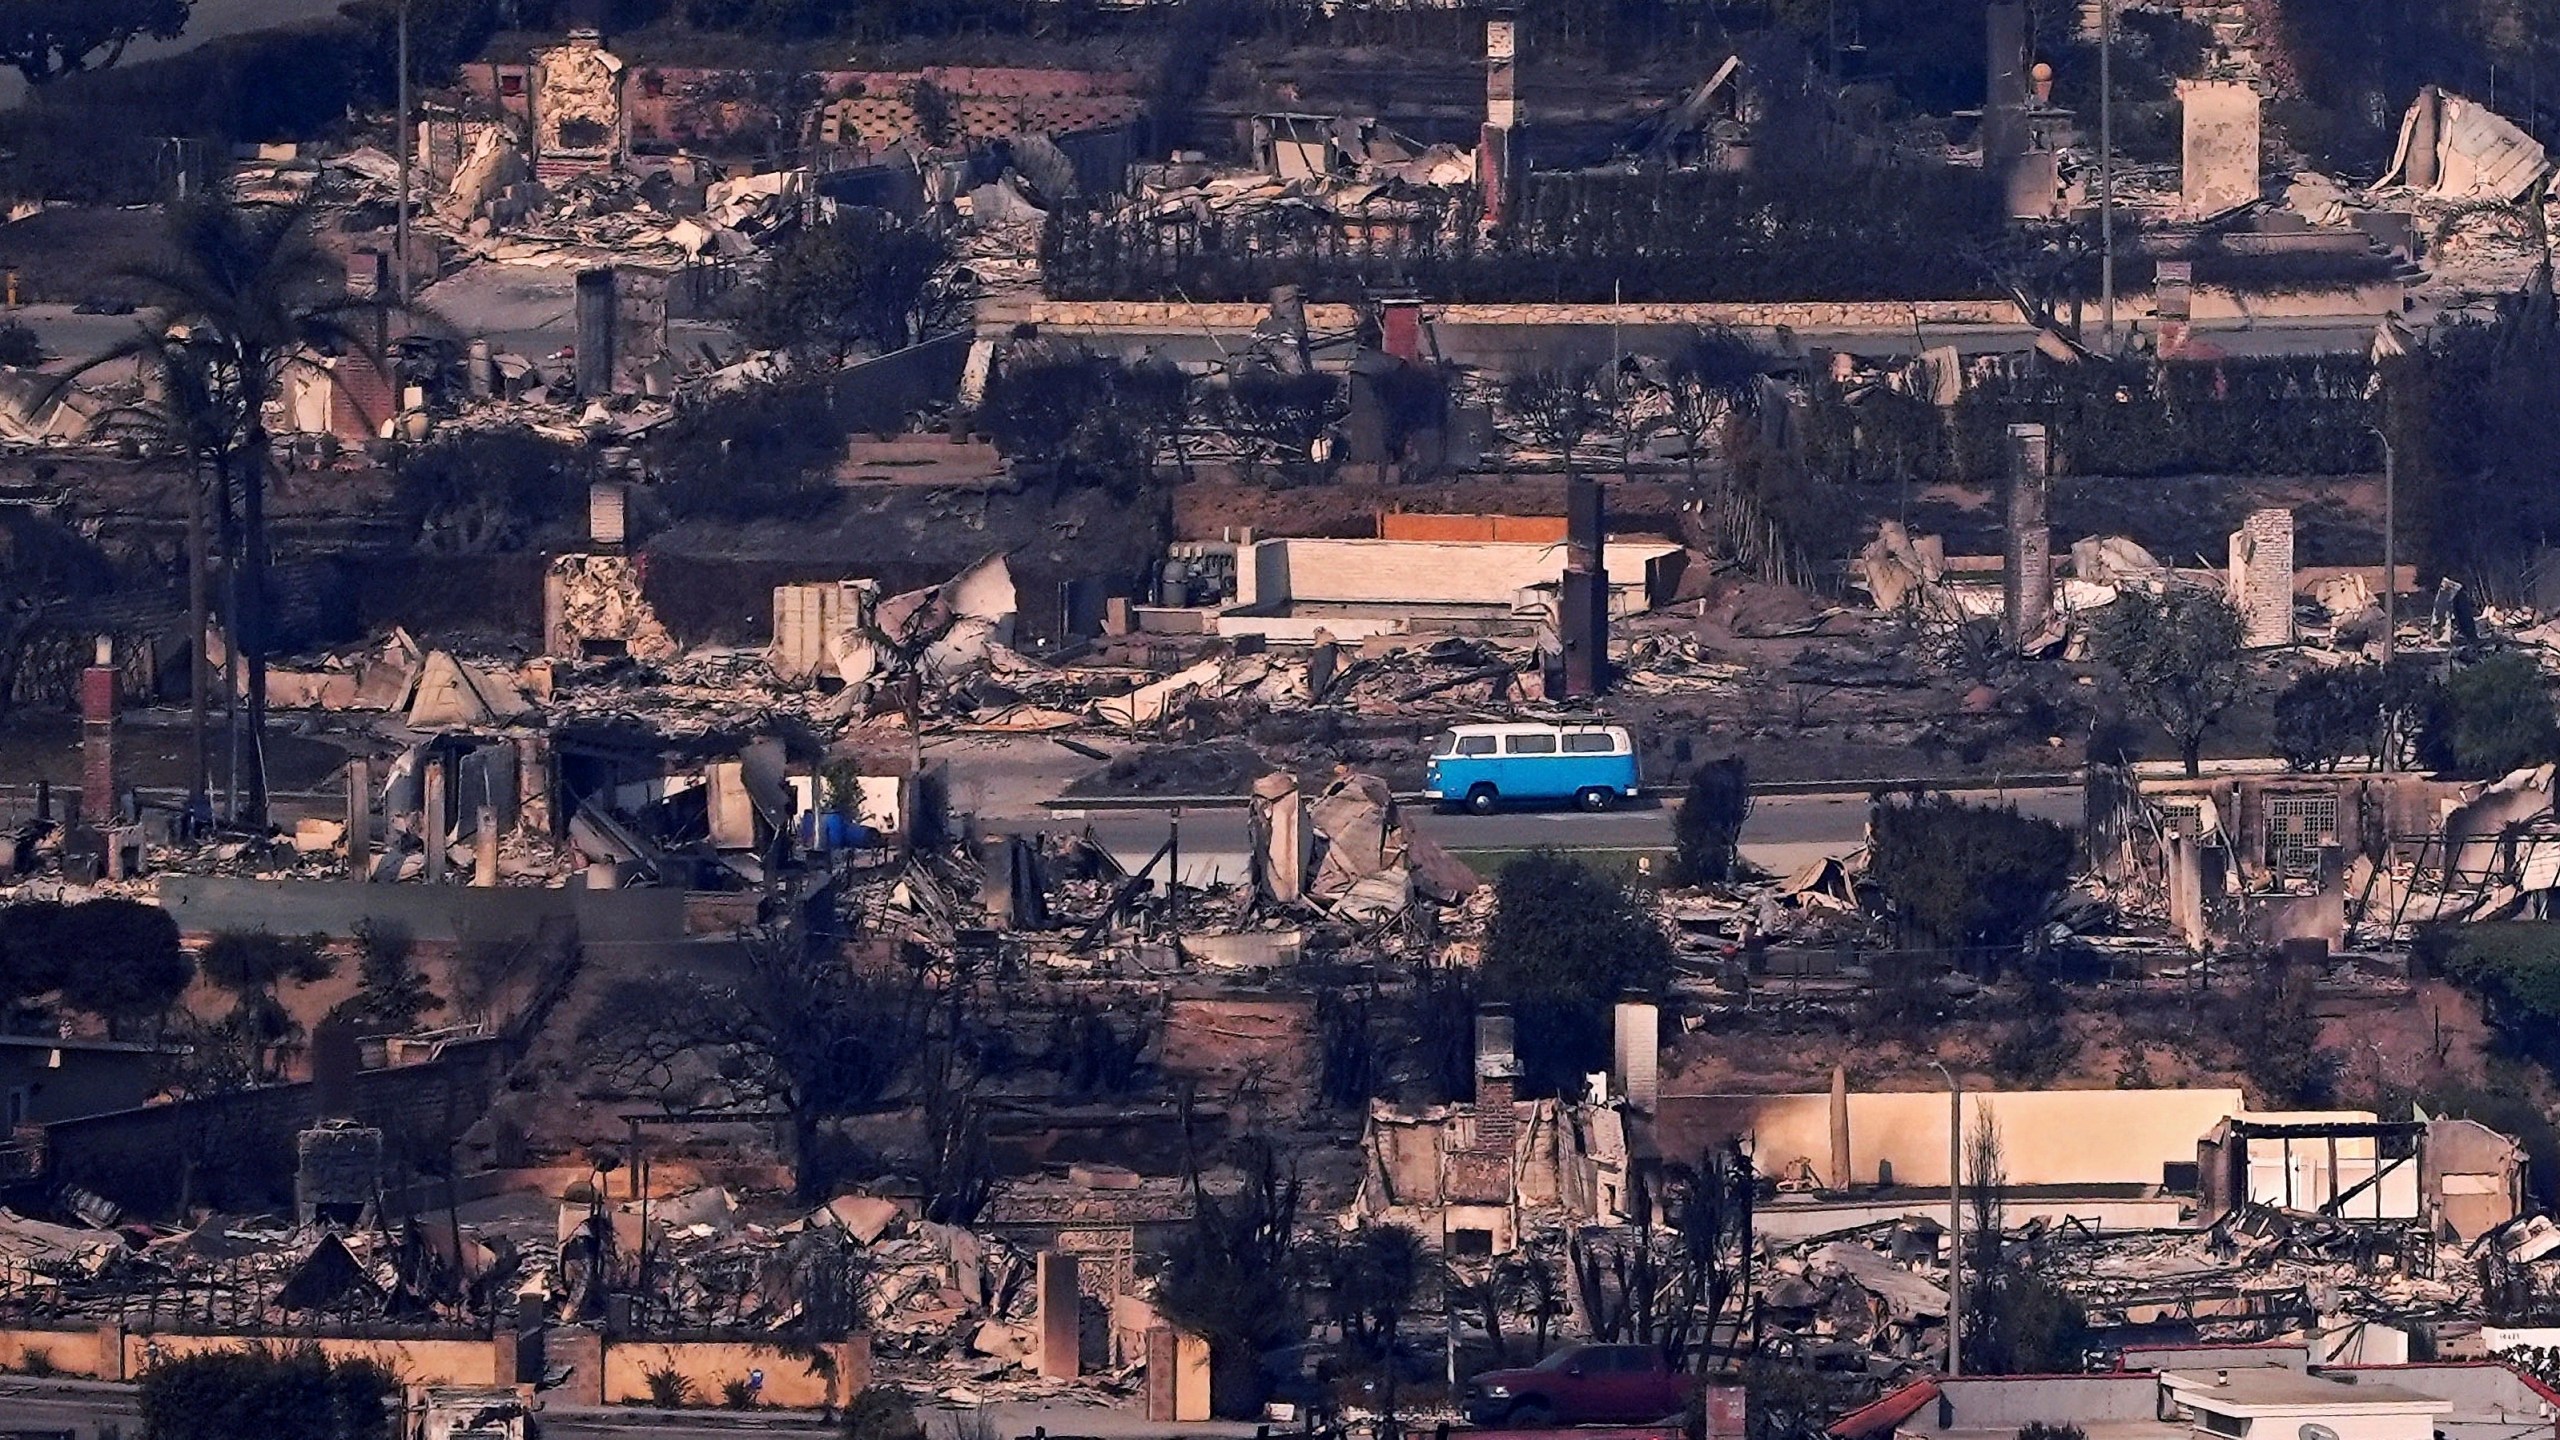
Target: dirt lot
{"type": "Point", "coordinates": [2390, 1042]}
{"type": "Point", "coordinates": [2184, 520]}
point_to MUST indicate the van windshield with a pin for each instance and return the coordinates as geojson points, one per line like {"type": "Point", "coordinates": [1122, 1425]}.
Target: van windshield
{"type": "Point", "coordinates": [1446, 744]}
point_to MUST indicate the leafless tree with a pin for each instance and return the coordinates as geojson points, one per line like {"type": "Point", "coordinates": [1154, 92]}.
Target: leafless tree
{"type": "Point", "coordinates": [796, 1030]}
{"type": "Point", "coordinates": [1986, 1183]}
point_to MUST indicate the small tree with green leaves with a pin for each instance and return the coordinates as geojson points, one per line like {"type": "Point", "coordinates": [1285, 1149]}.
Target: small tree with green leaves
{"type": "Point", "coordinates": [1706, 831]}
{"type": "Point", "coordinates": [120, 959]}
{"type": "Point", "coordinates": [391, 996]}
{"type": "Point", "coordinates": [2018, 1322]}
{"type": "Point", "coordinates": [31, 959]}
{"type": "Point", "coordinates": [2178, 657]}
{"type": "Point", "coordinates": [2496, 716]}
{"type": "Point", "coordinates": [1565, 944]}
{"type": "Point", "coordinates": [250, 965]}
{"type": "Point", "coordinates": [869, 281]}
{"type": "Point", "coordinates": [1965, 876]}
{"type": "Point", "coordinates": [45, 40]}
{"type": "Point", "coordinates": [2330, 714]}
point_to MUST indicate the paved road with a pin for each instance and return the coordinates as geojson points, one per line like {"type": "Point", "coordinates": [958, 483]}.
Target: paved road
{"type": "Point", "coordinates": [1785, 831]}
{"type": "Point", "coordinates": [88, 1410]}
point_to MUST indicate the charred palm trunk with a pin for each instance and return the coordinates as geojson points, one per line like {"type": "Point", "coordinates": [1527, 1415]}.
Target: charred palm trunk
{"type": "Point", "coordinates": [199, 664]}
{"type": "Point", "coordinates": [252, 612]}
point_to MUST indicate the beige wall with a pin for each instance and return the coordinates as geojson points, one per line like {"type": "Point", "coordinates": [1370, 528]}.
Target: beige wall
{"type": "Point", "coordinates": [72, 1352]}
{"type": "Point", "coordinates": [790, 1380]}
{"type": "Point", "coordinates": [440, 1362]}
{"type": "Point", "coordinates": [1452, 572]}
{"type": "Point", "coordinates": [2047, 1137]}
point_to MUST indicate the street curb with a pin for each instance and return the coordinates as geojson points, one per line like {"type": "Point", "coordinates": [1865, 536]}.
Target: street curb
{"type": "Point", "coordinates": [1859, 789]}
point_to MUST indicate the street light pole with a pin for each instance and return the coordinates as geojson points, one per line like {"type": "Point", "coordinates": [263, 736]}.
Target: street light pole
{"type": "Point", "coordinates": [2107, 171]}
{"type": "Point", "coordinates": [2390, 546]}
{"type": "Point", "coordinates": [407, 142]}
{"type": "Point", "coordinates": [1955, 1220]}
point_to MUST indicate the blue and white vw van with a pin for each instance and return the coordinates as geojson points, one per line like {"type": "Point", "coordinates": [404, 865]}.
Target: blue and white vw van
{"type": "Point", "coordinates": [1484, 766]}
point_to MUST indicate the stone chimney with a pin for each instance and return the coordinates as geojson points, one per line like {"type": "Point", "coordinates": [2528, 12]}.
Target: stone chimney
{"type": "Point", "coordinates": [606, 530]}
{"type": "Point", "coordinates": [1497, 1080]}
{"type": "Point", "coordinates": [1638, 1054]}
{"type": "Point", "coordinates": [2029, 585]}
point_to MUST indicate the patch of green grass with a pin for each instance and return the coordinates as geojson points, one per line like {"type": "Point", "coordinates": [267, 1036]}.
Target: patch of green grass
{"type": "Point", "coordinates": [1626, 864]}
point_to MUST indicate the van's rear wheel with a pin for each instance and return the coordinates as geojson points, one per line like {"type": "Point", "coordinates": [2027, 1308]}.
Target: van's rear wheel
{"type": "Point", "coordinates": [1596, 797]}
{"type": "Point", "coordinates": [1482, 799]}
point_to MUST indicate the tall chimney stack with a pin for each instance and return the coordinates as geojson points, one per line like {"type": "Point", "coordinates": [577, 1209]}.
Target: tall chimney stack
{"type": "Point", "coordinates": [98, 736]}
{"type": "Point", "coordinates": [1501, 114]}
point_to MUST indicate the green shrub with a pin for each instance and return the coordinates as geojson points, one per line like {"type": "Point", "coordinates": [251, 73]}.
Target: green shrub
{"type": "Point", "coordinates": [1966, 876]}
{"type": "Point", "coordinates": [264, 1394]}
{"type": "Point", "coordinates": [2495, 716]}
{"type": "Point", "coordinates": [882, 1412]}
{"type": "Point", "coordinates": [1565, 944]}
{"type": "Point", "coordinates": [669, 1388]}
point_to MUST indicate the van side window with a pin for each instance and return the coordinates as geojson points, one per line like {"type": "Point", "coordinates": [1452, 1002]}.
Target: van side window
{"type": "Point", "coordinates": [1589, 742]}
{"type": "Point", "coordinates": [1475, 744]}
{"type": "Point", "coordinates": [1529, 744]}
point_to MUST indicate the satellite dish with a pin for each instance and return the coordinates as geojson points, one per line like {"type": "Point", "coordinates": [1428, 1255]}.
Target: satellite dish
{"type": "Point", "coordinates": [2318, 1432]}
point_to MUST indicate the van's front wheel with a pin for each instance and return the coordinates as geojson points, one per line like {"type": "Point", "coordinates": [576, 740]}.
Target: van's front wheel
{"type": "Point", "coordinates": [1482, 799]}
{"type": "Point", "coordinates": [1596, 798]}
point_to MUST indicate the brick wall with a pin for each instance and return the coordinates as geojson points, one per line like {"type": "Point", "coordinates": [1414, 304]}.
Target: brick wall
{"type": "Point", "coordinates": [999, 316]}
{"type": "Point", "coordinates": [679, 105]}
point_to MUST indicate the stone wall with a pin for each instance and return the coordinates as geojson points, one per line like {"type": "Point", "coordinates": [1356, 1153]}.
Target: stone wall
{"type": "Point", "coordinates": [998, 316]}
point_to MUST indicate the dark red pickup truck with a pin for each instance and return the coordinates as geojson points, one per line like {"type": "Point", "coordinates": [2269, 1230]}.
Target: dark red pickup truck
{"type": "Point", "coordinates": [1583, 1385]}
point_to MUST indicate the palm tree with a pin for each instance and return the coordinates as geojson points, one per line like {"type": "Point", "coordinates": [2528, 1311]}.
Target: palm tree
{"type": "Point", "coordinates": [192, 403]}
{"type": "Point", "coordinates": [254, 297]}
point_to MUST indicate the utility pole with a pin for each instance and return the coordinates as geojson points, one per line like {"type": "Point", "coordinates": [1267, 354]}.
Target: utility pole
{"type": "Point", "coordinates": [2390, 546]}
{"type": "Point", "coordinates": [407, 142]}
{"type": "Point", "coordinates": [1955, 1220]}
{"type": "Point", "coordinates": [2107, 171]}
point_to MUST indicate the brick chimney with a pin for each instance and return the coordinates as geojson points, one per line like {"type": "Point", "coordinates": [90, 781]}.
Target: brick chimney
{"type": "Point", "coordinates": [98, 736]}
{"type": "Point", "coordinates": [1497, 1080]}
